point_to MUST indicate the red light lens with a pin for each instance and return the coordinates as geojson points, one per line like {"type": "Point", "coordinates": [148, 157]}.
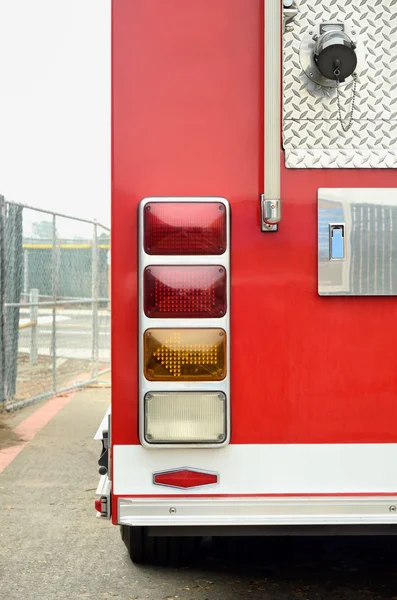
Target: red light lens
{"type": "Point", "coordinates": [185, 478]}
{"type": "Point", "coordinates": [185, 228]}
{"type": "Point", "coordinates": [98, 505]}
{"type": "Point", "coordinates": [185, 291]}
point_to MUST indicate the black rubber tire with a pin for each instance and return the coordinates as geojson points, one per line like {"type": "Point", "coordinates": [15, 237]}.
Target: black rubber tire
{"type": "Point", "coordinates": [133, 539]}
{"type": "Point", "coordinates": [143, 548]}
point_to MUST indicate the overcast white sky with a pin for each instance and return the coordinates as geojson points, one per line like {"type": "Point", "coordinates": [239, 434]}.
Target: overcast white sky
{"type": "Point", "coordinates": [55, 105]}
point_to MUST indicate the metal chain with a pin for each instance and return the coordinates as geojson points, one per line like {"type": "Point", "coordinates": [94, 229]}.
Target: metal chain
{"type": "Point", "coordinates": [353, 103]}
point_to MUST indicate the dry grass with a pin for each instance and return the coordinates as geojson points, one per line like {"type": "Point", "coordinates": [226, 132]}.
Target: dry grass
{"type": "Point", "coordinates": [8, 437]}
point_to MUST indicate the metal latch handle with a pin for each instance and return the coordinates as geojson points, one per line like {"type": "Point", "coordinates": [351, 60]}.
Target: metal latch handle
{"type": "Point", "coordinates": [336, 241]}
{"type": "Point", "coordinates": [270, 216]}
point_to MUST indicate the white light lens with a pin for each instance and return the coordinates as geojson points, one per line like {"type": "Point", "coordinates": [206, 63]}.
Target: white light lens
{"type": "Point", "coordinates": [185, 418]}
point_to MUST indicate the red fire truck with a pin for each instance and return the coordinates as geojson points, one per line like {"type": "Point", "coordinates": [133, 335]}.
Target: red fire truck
{"type": "Point", "coordinates": [254, 253]}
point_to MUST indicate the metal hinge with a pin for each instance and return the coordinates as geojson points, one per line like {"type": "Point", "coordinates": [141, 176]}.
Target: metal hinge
{"type": "Point", "coordinates": [290, 11]}
{"type": "Point", "coordinates": [103, 461]}
{"type": "Point", "coordinates": [270, 214]}
{"type": "Point", "coordinates": [104, 502]}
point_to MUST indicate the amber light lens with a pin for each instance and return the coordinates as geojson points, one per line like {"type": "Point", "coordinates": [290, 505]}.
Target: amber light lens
{"type": "Point", "coordinates": [185, 291]}
{"type": "Point", "coordinates": [185, 228]}
{"type": "Point", "coordinates": [185, 354]}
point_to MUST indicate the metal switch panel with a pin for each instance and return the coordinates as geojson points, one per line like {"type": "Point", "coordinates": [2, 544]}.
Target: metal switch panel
{"type": "Point", "coordinates": [357, 242]}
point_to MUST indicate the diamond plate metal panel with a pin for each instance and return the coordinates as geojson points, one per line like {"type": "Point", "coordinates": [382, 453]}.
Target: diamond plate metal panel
{"type": "Point", "coordinates": [312, 134]}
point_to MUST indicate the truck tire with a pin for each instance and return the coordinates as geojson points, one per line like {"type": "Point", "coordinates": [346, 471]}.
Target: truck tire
{"type": "Point", "coordinates": [143, 548]}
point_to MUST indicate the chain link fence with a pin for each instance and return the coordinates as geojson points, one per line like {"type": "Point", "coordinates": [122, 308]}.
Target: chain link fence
{"type": "Point", "coordinates": [54, 303]}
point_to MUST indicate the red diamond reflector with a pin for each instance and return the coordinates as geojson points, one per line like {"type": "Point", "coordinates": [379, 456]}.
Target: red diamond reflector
{"type": "Point", "coordinates": [185, 478]}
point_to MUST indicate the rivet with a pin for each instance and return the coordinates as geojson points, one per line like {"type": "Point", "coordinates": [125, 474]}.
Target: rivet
{"type": "Point", "coordinates": [172, 510]}
{"type": "Point", "coordinates": [392, 508]}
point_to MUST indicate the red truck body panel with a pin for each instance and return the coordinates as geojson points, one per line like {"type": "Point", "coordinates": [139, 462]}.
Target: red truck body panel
{"type": "Point", "coordinates": [188, 121]}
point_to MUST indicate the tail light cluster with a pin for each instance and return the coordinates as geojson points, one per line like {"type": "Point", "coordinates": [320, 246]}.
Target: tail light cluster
{"type": "Point", "coordinates": [184, 270]}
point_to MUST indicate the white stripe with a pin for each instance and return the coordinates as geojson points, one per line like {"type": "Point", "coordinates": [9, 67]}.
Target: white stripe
{"type": "Point", "coordinates": [42, 320]}
{"type": "Point", "coordinates": [78, 353]}
{"type": "Point", "coordinates": [74, 332]}
{"type": "Point", "coordinates": [264, 469]}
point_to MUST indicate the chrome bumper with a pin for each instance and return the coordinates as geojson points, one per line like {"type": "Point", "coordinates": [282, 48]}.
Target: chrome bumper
{"type": "Point", "coordinates": [258, 511]}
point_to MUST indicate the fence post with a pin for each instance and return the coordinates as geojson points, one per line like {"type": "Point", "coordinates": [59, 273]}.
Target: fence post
{"type": "Point", "coordinates": [26, 271]}
{"type": "Point", "coordinates": [11, 289]}
{"type": "Point", "coordinates": [34, 314]}
{"type": "Point", "coordinates": [54, 306]}
{"type": "Point", "coordinates": [95, 302]}
{"type": "Point", "coordinates": [2, 305]}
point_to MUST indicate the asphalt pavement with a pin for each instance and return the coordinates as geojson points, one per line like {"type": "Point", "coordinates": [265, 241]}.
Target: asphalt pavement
{"type": "Point", "coordinates": [53, 547]}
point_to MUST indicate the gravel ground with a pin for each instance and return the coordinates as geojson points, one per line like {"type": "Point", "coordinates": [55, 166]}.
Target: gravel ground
{"type": "Point", "coordinates": [52, 547]}
{"type": "Point", "coordinates": [33, 380]}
